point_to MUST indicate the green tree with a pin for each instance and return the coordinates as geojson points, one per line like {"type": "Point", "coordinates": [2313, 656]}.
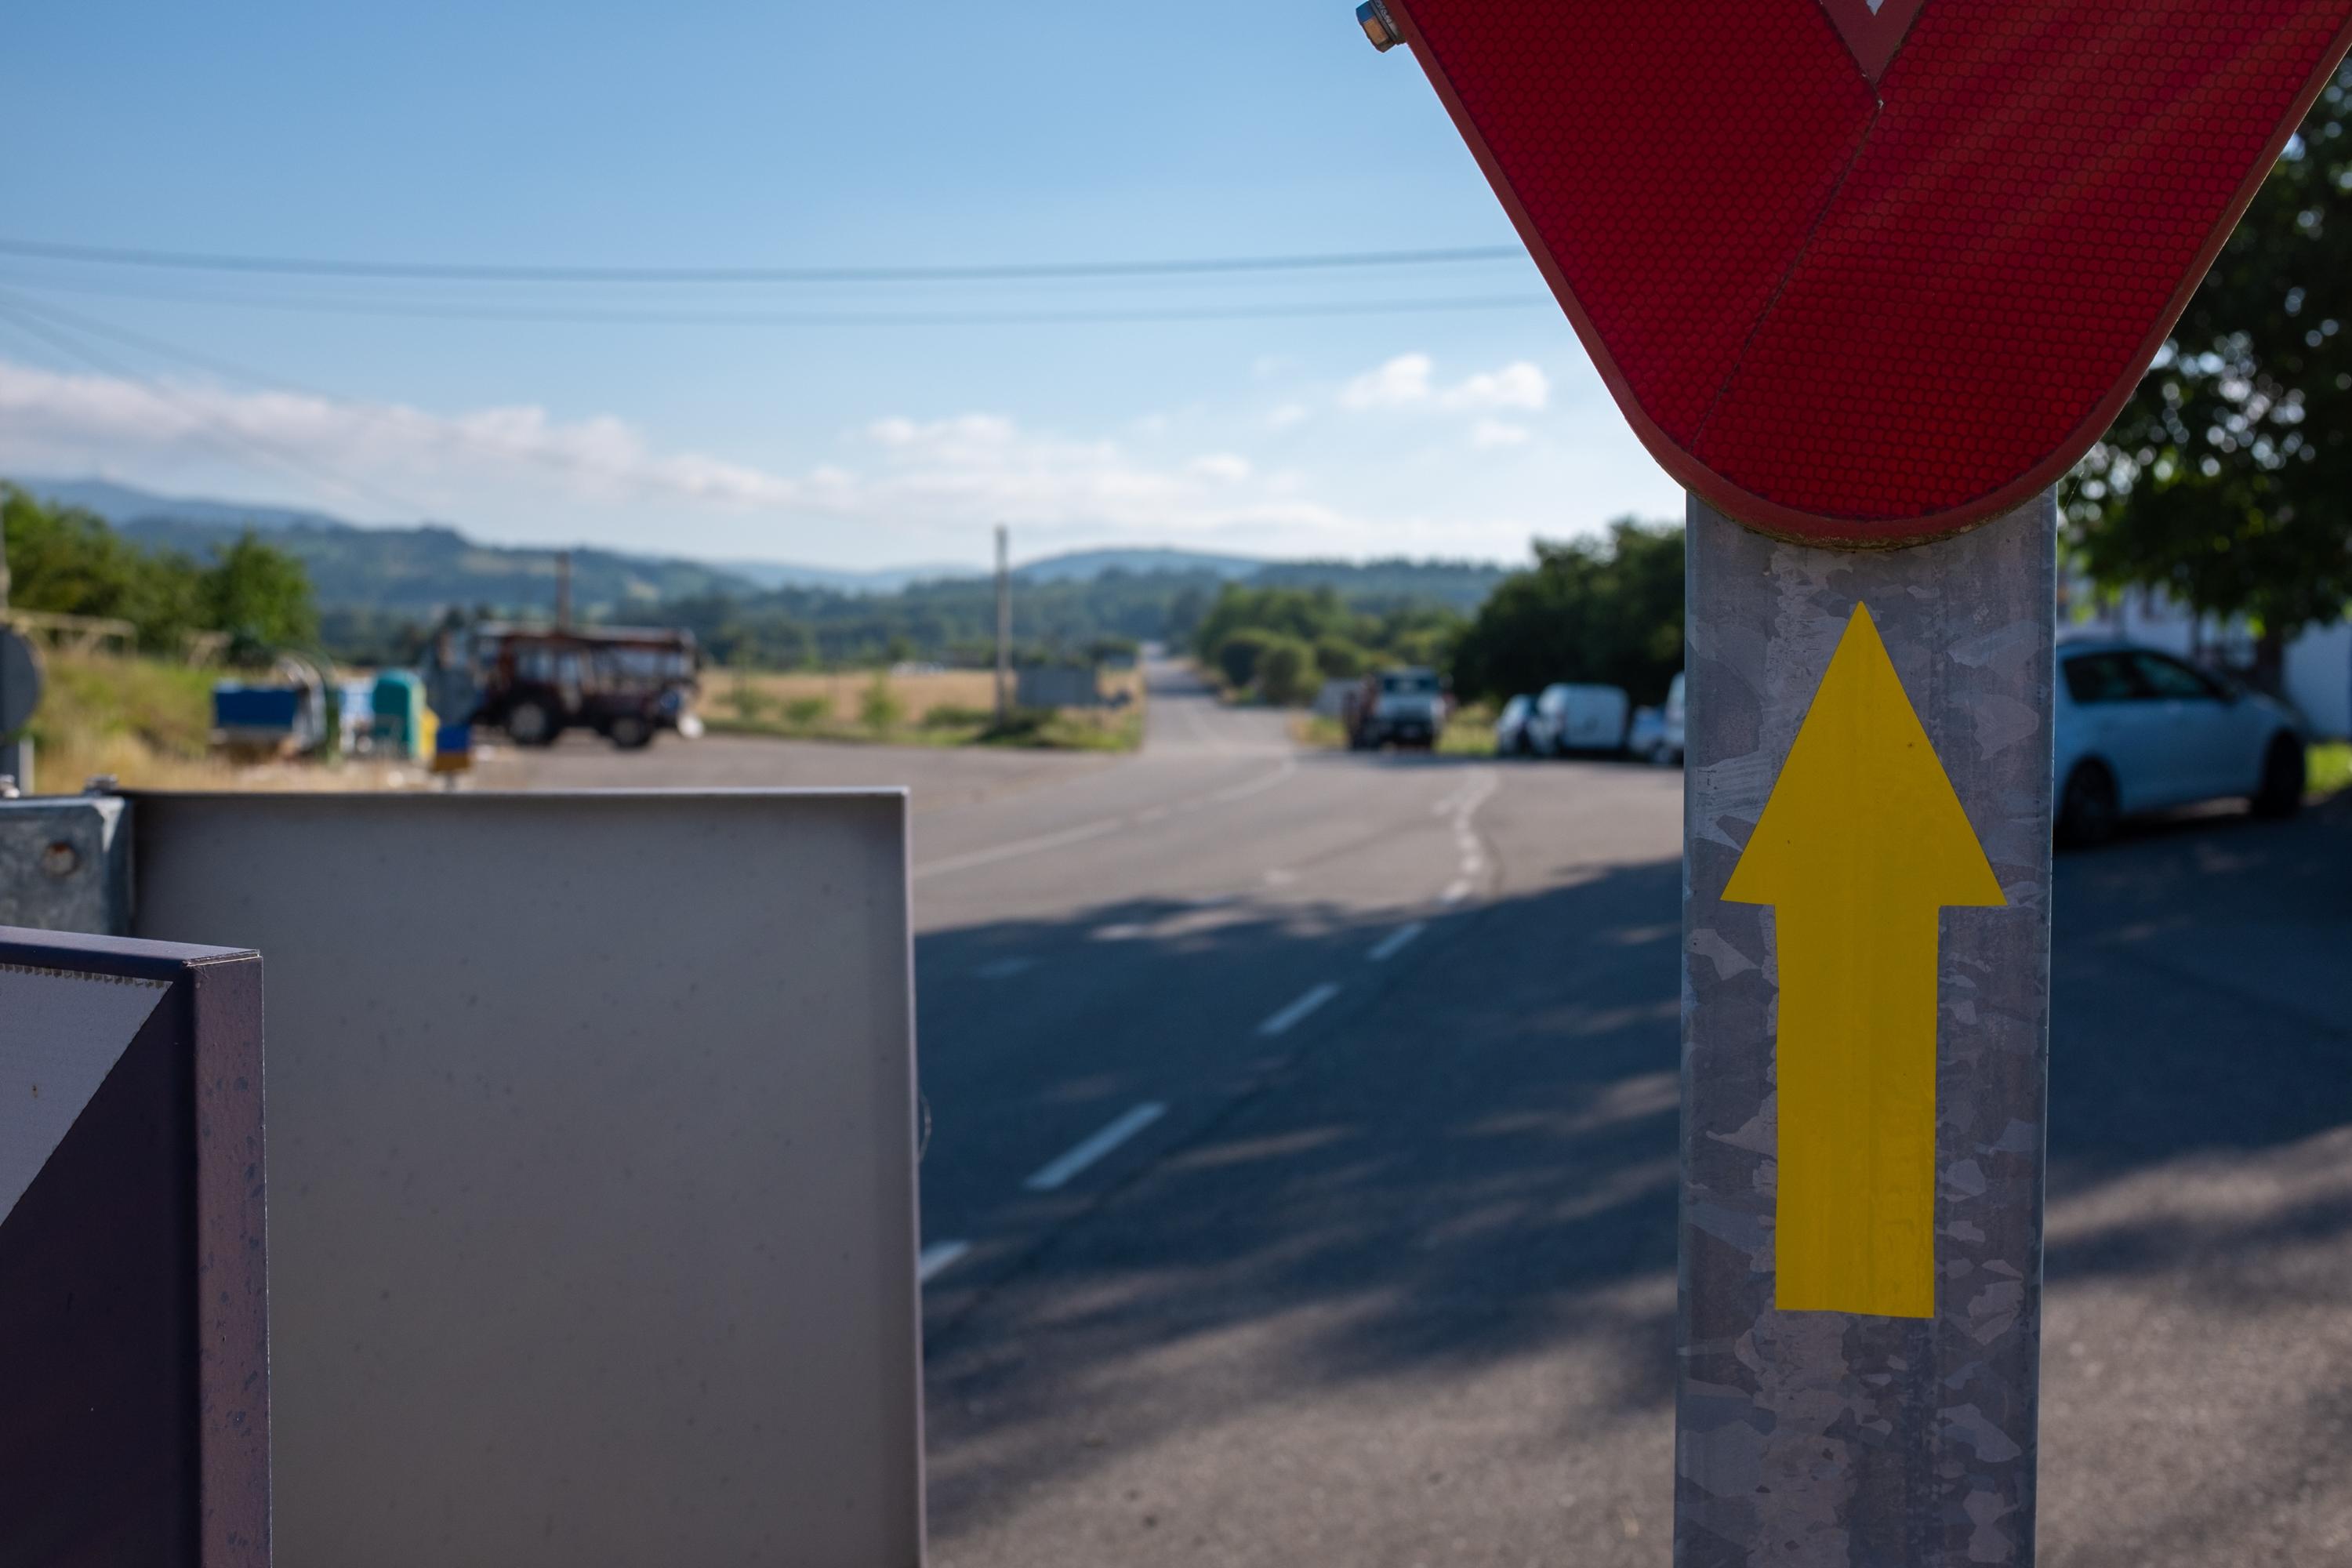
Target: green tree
{"type": "Point", "coordinates": [1354, 638]}
{"type": "Point", "coordinates": [1607, 610]}
{"type": "Point", "coordinates": [1238, 653]}
{"type": "Point", "coordinates": [1340, 658]}
{"type": "Point", "coordinates": [1303, 613]}
{"type": "Point", "coordinates": [67, 561]}
{"type": "Point", "coordinates": [260, 594]}
{"type": "Point", "coordinates": [1287, 675]}
{"type": "Point", "coordinates": [2227, 480]}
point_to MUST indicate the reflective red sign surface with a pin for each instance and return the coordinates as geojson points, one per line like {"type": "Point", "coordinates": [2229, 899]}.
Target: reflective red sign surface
{"type": "Point", "coordinates": [1872, 273]}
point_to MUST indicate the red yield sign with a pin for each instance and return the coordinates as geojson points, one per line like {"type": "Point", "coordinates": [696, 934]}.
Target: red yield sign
{"type": "Point", "coordinates": [1870, 272]}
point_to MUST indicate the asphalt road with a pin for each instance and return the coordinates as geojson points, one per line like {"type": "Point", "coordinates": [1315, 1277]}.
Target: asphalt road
{"type": "Point", "coordinates": [1301, 1183]}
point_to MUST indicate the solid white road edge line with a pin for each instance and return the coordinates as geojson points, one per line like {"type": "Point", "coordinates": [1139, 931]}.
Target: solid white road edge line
{"type": "Point", "coordinates": [1052, 1177]}
{"type": "Point", "coordinates": [1257, 786]}
{"type": "Point", "coordinates": [1017, 848]}
{"type": "Point", "coordinates": [1289, 1016]}
{"type": "Point", "coordinates": [937, 1259]}
{"type": "Point", "coordinates": [1396, 942]}
{"type": "Point", "coordinates": [1094, 829]}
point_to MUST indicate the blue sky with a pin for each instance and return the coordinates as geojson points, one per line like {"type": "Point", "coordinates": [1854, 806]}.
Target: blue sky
{"type": "Point", "coordinates": [887, 132]}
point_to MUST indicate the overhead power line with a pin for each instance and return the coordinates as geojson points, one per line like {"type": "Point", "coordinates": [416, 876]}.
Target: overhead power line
{"type": "Point", "coordinates": [206, 426]}
{"type": "Point", "coordinates": [24, 311]}
{"type": "Point", "coordinates": [487, 272]}
{"type": "Point", "coordinates": [636, 316]}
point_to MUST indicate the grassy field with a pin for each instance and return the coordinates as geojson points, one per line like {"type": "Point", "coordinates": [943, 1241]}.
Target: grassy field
{"type": "Point", "coordinates": [1469, 732]}
{"type": "Point", "coordinates": [948, 707]}
{"type": "Point", "coordinates": [150, 724]}
{"type": "Point", "coordinates": [2331, 767]}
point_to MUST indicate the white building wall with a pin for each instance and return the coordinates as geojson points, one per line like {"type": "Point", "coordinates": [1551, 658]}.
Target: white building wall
{"type": "Point", "coordinates": [2319, 677]}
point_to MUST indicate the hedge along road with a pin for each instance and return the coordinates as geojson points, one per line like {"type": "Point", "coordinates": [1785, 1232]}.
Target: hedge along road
{"type": "Point", "coordinates": [1277, 1209]}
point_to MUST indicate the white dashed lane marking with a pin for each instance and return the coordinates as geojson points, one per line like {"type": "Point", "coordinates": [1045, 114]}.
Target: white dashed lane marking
{"type": "Point", "coordinates": [1292, 1015]}
{"type": "Point", "coordinates": [1052, 1178]}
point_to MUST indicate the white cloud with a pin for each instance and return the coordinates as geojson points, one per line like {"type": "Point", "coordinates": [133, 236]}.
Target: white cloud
{"type": "Point", "coordinates": [1489, 434]}
{"type": "Point", "coordinates": [1520, 385]}
{"type": "Point", "coordinates": [1288, 416]}
{"type": "Point", "coordinates": [1400, 383]}
{"type": "Point", "coordinates": [1409, 381]}
{"type": "Point", "coordinates": [888, 489]}
{"type": "Point", "coordinates": [44, 415]}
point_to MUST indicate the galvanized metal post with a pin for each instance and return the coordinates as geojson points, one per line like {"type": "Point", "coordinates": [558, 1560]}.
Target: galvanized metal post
{"type": "Point", "coordinates": [1832, 1438]}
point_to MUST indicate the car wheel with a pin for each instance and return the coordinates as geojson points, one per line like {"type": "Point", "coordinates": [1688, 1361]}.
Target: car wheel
{"type": "Point", "coordinates": [2087, 811]}
{"type": "Point", "coordinates": [529, 724]}
{"type": "Point", "coordinates": [630, 732]}
{"type": "Point", "coordinates": [2283, 779]}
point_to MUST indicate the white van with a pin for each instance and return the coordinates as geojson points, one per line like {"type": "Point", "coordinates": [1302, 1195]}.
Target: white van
{"type": "Point", "coordinates": [1580, 719]}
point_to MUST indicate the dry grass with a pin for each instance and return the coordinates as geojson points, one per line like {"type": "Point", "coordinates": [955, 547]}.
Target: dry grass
{"type": "Point", "coordinates": [149, 723]}
{"type": "Point", "coordinates": [844, 693]}
{"type": "Point", "coordinates": [948, 707]}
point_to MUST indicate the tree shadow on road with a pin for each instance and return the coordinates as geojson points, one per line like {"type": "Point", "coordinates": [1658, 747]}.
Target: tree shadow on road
{"type": "Point", "coordinates": [1467, 1162]}
{"type": "Point", "coordinates": [1463, 1175]}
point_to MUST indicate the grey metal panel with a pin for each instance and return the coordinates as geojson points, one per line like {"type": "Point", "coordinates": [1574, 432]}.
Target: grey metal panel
{"type": "Point", "coordinates": [592, 1152]}
{"type": "Point", "coordinates": [1823, 1440]}
{"type": "Point", "coordinates": [1059, 686]}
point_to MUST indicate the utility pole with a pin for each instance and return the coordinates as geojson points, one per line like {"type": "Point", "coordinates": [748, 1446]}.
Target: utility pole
{"type": "Point", "coordinates": [1004, 626]}
{"type": "Point", "coordinates": [564, 590]}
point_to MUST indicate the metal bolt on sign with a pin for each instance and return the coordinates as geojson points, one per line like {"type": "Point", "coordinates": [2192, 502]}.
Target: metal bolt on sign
{"type": "Point", "coordinates": [1867, 278]}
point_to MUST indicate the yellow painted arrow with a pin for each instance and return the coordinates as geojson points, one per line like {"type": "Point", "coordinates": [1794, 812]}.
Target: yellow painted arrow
{"type": "Point", "coordinates": [1862, 844]}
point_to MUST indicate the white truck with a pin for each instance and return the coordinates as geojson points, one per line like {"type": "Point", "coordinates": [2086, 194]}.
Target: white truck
{"type": "Point", "coordinates": [1397, 708]}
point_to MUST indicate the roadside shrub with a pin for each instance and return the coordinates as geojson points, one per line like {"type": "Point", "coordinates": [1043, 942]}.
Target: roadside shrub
{"type": "Point", "coordinates": [802, 712]}
{"type": "Point", "coordinates": [1238, 654]}
{"type": "Point", "coordinates": [1340, 660]}
{"type": "Point", "coordinates": [748, 703]}
{"type": "Point", "coordinates": [879, 708]}
{"type": "Point", "coordinates": [1287, 675]}
{"type": "Point", "coordinates": [956, 716]}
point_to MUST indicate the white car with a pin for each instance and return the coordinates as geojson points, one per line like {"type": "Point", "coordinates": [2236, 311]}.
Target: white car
{"type": "Point", "coordinates": [1668, 751]}
{"type": "Point", "coordinates": [2141, 730]}
{"type": "Point", "coordinates": [1647, 735]}
{"type": "Point", "coordinates": [1580, 719]}
{"type": "Point", "coordinates": [1511, 738]}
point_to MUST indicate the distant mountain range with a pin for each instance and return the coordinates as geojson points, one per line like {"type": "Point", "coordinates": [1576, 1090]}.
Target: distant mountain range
{"type": "Point", "coordinates": [419, 570]}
